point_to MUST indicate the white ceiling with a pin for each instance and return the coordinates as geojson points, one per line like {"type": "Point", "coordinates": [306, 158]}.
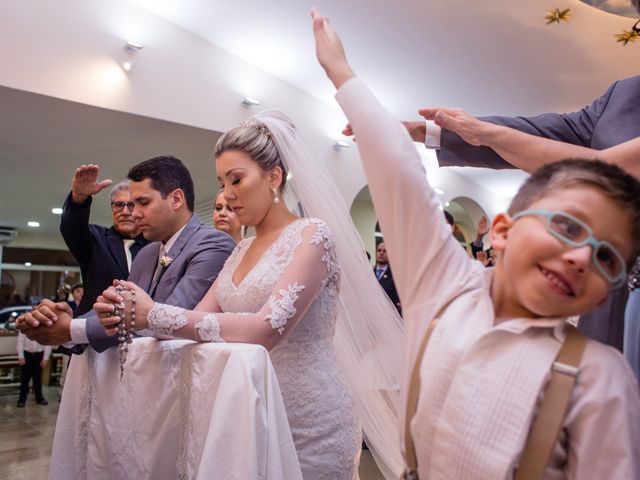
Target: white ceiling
{"type": "Point", "coordinates": [43, 139]}
{"type": "Point", "coordinates": [489, 57]}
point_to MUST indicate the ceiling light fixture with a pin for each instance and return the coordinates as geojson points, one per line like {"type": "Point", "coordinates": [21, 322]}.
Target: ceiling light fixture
{"type": "Point", "coordinates": [438, 191]}
{"type": "Point", "coordinates": [250, 101]}
{"type": "Point", "coordinates": [27, 264]}
{"type": "Point", "coordinates": [131, 55]}
{"type": "Point", "coordinates": [33, 224]}
{"type": "Point", "coordinates": [56, 211]}
{"type": "Point", "coordinates": [340, 144]}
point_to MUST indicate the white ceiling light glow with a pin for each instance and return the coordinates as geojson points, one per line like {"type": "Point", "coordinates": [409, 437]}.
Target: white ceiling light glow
{"type": "Point", "coordinates": [33, 224]}
{"type": "Point", "coordinates": [340, 144]}
{"type": "Point", "coordinates": [250, 101]}
{"type": "Point", "coordinates": [130, 57]}
{"type": "Point", "coordinates": [56, 211]}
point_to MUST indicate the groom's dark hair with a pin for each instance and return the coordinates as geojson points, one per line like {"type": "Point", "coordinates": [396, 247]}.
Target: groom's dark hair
{"type": "Point", "coordinates": [166, 174]}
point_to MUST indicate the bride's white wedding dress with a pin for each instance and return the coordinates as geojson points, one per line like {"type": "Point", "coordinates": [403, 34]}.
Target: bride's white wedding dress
{"type": "Point", "coordinates": [320, 411]}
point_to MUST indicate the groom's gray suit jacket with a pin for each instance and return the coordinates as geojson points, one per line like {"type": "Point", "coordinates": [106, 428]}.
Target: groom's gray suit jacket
{"type": "Point", "coordinates": [612, 119]}
{"type": "Point", "coordinates": [197, 257]}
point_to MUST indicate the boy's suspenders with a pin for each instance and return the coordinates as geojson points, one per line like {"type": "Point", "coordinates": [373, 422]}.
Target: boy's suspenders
{"type": "Point", "coordinates": [547, 423]}
{"type": "Point", "coordinates": [553, 408]}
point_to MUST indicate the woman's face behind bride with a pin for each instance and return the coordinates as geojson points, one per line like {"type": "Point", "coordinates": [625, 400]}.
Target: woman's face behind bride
{"type": "Point", "coordinates": [248, 189]}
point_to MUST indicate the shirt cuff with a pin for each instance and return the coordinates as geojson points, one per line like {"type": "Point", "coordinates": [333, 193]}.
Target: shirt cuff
{"type": "Point", "coordinates": [432, 135]}
{"type": "Point", "coordinates": [78, 332]}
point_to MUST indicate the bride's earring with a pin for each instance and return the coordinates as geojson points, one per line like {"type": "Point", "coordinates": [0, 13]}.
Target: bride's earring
{"type": "Point", "coordinates": [276, 199]}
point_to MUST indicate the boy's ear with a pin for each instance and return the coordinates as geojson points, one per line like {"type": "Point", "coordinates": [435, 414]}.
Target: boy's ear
{"type": "Point", "coordinates": [499, 232]}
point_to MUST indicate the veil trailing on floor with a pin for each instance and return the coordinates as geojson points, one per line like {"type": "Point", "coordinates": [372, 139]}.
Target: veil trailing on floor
{"type": "Point", "coordinates": [368, 334]}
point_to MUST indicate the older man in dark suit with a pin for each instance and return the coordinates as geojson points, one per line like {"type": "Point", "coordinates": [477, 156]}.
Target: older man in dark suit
{"type": "Point", "coordinates": [178, 268]}
{"type": "Point", "coordinates": [103, 253]}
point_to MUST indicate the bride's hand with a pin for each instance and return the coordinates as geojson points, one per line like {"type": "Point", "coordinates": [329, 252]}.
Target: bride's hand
{"type": "Point", "coordinates": [329, 50]}
{"type": "Point", "coordinates": [111, 299]}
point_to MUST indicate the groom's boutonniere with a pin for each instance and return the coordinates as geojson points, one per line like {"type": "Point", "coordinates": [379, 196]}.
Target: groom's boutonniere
{"type": "Point", "coordinates": [165, 261]}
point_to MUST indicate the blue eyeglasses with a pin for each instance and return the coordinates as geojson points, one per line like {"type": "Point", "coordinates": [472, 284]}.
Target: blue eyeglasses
{"type": "Point", "coordinates": [575, 233]}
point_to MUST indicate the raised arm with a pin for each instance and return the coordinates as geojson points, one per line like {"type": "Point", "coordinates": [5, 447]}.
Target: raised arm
{"type": "Point", "coordinates": [576, 128]}
{"type": "Point", "coordinates": [311, 267]}
{"type": "Point", "coordinates": [529, 152]}
{"type": "Point", "coordinates": [422, 252]}
{"type": "Point", "coordinates": [74, 224]}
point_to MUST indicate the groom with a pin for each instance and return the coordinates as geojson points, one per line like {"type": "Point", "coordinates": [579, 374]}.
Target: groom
{"type": "Point", "coordinates": [177, 269]}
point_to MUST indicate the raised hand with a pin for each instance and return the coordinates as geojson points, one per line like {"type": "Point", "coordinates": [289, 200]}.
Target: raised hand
{"type": "Point", "coordinates": [329, 50]}
{"type": "Point", "coordinates": [85, 183]}
{"type": "Point", "coordinates": [472, 130]}
{"type": "Point", "coordinates": [111, 299]}
{"type": "Point", "coordinates": [483, 258]}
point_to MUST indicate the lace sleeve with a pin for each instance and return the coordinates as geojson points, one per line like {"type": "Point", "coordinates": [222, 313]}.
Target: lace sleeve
{"type": "Point", "coordinates": [311, 266]}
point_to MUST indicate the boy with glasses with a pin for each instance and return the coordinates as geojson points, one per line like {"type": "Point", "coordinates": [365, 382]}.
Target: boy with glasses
{"type": "Point", "coordinates": [481, 345]}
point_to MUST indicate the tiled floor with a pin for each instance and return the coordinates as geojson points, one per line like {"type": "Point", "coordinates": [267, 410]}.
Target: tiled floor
{"type": "Point", "coordinates": [26, 435]}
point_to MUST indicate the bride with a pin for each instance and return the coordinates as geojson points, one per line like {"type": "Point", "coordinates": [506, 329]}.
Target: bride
{"type": "Point", "coordinates": [285, 289]}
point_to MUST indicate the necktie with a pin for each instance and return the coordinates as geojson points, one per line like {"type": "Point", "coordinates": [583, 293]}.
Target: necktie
{"type": "Point", "coordinates": [127, 250]}
{"type": "Point", "coordinates": [379, 272]}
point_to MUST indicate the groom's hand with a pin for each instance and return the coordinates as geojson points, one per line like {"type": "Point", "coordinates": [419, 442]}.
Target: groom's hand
{"type": "Point", "coordinates": [55, 316]}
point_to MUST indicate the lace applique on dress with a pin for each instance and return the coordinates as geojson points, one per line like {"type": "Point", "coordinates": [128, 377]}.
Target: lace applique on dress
{"type": "Point", "coordinates": [208, 329]}
{"type": "Point", "coordinates": [284, 308]}
{"type": "Point", "coordinates": [166, 319]}
{"type": "Point", "coordinates": [322, 235]}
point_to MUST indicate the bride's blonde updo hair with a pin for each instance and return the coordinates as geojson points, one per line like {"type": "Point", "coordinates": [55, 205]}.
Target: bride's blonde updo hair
{"type": "Point", "coordinates": [254, 139]}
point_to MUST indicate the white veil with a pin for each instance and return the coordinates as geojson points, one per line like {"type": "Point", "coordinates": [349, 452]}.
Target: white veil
{"type": "Point", "coordinates": [368, 329]}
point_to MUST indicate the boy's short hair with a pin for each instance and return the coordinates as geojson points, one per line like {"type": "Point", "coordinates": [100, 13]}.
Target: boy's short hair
{"type": "Point", "coordinates": [610, 179]}
{"type": "Point", "coordinates": [166, 174]}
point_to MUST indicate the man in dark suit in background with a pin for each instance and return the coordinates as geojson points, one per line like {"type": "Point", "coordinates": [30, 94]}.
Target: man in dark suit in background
{"type": "Point", "coordinates": [102, 253]}
{"type": "Point", "coordinates": [383, 274]}
{"type": "Point", "coordinates": [610, 120]}
{"type": "Point", "coordinates": [177, 269]}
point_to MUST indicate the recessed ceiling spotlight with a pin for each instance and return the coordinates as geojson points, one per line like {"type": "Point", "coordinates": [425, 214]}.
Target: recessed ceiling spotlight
{"type": "Point", "coordinates": [446, 204]}
{"type": "Point", "coordinates": [340, 144]}
{"type": "Point", "coordinates": [56, 211]}
{"type": "Point", "coordinates": [33, 224]}
{"type": "Point", "coordinates": [438, 191]}
{"type": "Point", "coordinates": [250, 101]}
{"type": "Point", "coordinates": [27, 264]}
{"type": "Point", "coordinates": [131, 55]}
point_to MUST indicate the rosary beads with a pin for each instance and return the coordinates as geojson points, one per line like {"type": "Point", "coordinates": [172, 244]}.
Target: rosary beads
{"type": "Point", "coordinates": [125, 331]}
